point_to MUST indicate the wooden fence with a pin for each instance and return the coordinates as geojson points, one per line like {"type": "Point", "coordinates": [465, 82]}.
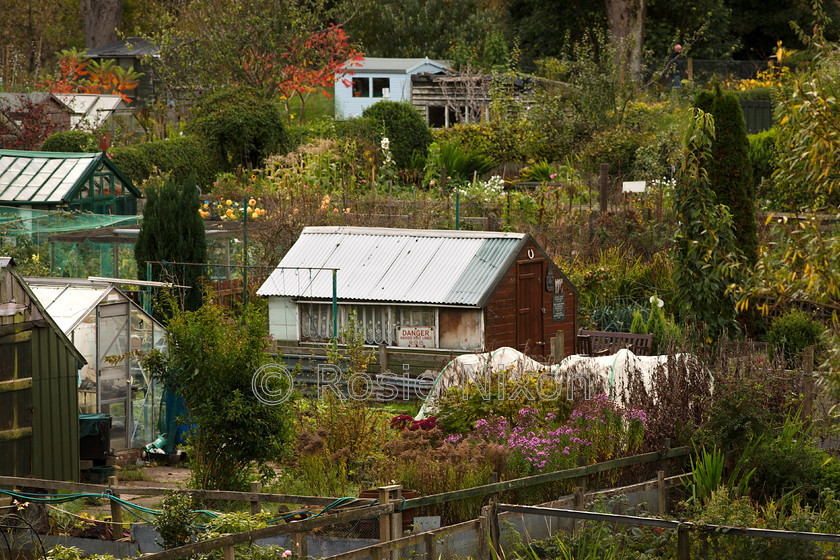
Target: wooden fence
{"type": "Point", "coordinates": [388, 510]}
{"type": "Point", "coordinates": [683, 528]}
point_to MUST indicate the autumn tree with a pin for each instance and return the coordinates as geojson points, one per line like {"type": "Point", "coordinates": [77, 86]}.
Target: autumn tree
{"type": "Point", "coordinates": [76, 74]}
{"type": "Point", "coordinates": [276, 47]}
{"type": "Point", "coordinates": [312, 63]}
{"type": "Point", "coordinates": [799, 263]}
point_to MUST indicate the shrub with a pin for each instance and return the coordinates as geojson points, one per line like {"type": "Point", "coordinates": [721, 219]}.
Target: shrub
{"type": "Point", "coordinates": [212, 359]}
{"type": "Point", "coordinates": [180, 157]}
{"type": "Point", "coordinates": [403, 126]}
{"type": "Point", "coordinates": [791, 334]}
{"type": "Point", "coordinates": [656, 325]}
{"type": "Point", "coordinates": [638, 325]}
{"type": "Point", "coordinates": [71, 141]}
{"type": "Point", "coordinates": [242, 127]}
{"type": "Point", "coordinates": [461, 162]}
{"type": "Point", "coordinates": [616, 147]}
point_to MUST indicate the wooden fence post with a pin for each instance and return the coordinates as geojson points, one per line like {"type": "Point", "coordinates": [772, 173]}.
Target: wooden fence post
{"type": "Point", "coordinates": [660, 492]}
{"type": "Point", "coordinates": [396, 520]}
{"type": "Point", "coordinates": [227, 553]}
{"type": "Point", "coordinates": [604, 187]}
{"type": "Point", "coordinates": [300, 545]}
{"type": "Point", "coordinates": [484, 534]}
{"type": "Point", "coordinates": [808, 381]}
{"type": "Point", "coordinates": [256, 506]}
{"type": "Point", "coordinates": [493, 478]}
{"type": "Point", "coordinates": [385, 518]}
{"type": "Point", "coordinates": [116, 513]}
{"type": "Point", "coordinates": [683, 543]}
{"type": "Point", "coordinates": [431, 546]}
{"type": "Point", "coordinates": [493, 527]}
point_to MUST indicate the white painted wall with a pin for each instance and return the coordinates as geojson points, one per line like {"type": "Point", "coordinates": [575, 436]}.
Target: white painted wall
{"type": "Point", "coordinates": [282, 319]}
{"type": "Point", "coordinates": [347, 106]}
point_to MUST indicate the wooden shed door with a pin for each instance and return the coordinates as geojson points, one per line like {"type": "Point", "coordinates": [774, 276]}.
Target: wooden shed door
{"type": "Point", "coordinates": [529, 320]}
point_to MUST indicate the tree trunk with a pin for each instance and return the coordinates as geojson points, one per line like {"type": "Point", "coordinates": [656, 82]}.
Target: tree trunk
{"type": "Point", "coordinates": [100, 21]}
{"type": "Point", "coordinates": [627, 26]}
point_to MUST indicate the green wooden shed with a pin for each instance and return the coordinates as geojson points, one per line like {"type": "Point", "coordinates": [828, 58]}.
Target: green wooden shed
{"type": "Point", "coordinates": [39, 426]}
{"type": "Point", "coordinates": [66, 181]}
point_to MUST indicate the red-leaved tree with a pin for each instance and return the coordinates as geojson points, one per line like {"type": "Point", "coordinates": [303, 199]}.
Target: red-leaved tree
{"type": "Point", "coordinates": [25, 126]}
{"type": "Point", "coordinates": [311, 65]}
{"type": "Point", "coordinates": [76, 74]}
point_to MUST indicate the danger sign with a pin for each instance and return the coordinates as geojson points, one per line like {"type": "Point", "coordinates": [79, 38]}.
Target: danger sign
{"type": "Point", "coordinates": [416, 337]}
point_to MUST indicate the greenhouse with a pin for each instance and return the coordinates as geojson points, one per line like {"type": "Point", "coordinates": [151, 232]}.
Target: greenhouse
{"type": "Point", "coordinates": [68, 181]}
{"type": "Point", "coordinates": [109, 329]}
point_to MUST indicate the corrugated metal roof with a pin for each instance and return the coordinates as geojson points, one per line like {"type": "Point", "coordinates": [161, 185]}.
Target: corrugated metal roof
{"type": "Point", "coordinates": [393, 265]}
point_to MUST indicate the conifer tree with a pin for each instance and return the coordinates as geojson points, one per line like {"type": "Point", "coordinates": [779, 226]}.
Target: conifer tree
{"type": "Point", "coordinates": [173, 231]}
{"type": "Point", "coordinates": [730, 169]}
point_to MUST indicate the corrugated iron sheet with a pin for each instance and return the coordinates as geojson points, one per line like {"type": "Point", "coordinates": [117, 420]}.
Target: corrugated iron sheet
{"type": "Point", "coordinates": [375, 264]}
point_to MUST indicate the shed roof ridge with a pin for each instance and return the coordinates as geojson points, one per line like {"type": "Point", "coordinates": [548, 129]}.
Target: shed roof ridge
{"type": "Point", "coordinates": [401, 232]}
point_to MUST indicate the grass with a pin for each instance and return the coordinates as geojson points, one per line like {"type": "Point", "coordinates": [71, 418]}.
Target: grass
{"type": "Point", "coordinates": [131, 473]}
{"type": "Point", "coordinates": [318, 107]}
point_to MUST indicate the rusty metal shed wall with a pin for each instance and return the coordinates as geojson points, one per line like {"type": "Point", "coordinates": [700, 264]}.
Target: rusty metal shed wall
{"type": "Point", "coordinates": [394, 265]}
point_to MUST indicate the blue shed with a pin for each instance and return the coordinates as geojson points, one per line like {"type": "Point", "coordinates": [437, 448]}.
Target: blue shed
{"type": "Point", "coordinates": [364, 83]}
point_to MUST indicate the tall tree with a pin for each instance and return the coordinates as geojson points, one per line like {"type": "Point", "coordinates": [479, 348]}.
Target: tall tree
{"type": "Point", "coordinates": [173, 231]}
{"type": "Point", "coordinates": [246, 43]}
{"type": "Point", "coordinates": [730, 170]}
{"type": "Point", "coordinates": [101, 20]}
{"type": "Point", "coordinates": [627, 27]}
{"type": "Point", "coordinates": [706, 267]}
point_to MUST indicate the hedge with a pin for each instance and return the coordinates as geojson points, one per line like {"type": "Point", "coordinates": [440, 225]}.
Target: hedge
{"type": "Point", "coordinates": [179, 156]}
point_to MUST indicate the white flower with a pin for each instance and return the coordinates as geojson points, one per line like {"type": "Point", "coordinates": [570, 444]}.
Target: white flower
{"type": "Point", "coordinates": [385, 143]}
{"type": "Point", "coordinates": [657, 301]}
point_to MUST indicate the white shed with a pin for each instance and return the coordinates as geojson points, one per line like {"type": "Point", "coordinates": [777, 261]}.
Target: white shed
{"type": "Point", "coordinates": [364, 83]}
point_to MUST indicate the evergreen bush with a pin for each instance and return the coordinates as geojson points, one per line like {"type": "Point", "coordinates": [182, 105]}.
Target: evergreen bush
{"type": "Point", "coordinates": [241, 126]}
{"type": "Point", "coordinates": [71, 141]}
{"type": "Point", "coordinates": [730, 169]}
{"type": "Point", "coordinates": [172, 230]}
{"type": "Point", "coordinates": [792, 333]}
{"type": "Point", "coordinates": [638, 326]}
{"type": "Point", "coordinates": [403, 126]}
{"type": "Point", "coordinates": [180, 157]}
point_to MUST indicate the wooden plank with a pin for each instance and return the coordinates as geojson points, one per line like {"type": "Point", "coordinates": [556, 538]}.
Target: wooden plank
{"type": "Point", "coordinates": [545, 477]}
{"type": "Point", "coordinates": [15, 434]}
{"type": "Point", "coordinates": [16, 384]}
{"type": "Point", "coordinates": [13, 481]}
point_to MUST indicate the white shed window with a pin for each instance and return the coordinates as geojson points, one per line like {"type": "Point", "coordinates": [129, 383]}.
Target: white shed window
{"type": "Point", "coordinates": [381, 323]}
{"type": "Point", "coordinates": [361, 87]}
{"type": "Point", "coordinates": [382, 87]}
